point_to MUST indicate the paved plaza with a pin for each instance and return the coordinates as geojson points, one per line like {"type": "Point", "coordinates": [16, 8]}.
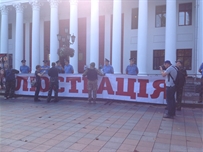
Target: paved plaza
{"type": "Point", "coordinates": [73, 125]}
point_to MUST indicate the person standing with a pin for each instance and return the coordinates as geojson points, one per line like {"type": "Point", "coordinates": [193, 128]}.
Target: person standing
{"type": "Point", "coordinates": [132, 69]}
{"type": "Point", "coordinates": [53, 83]}
{"type": "Point", "coordinates": [170, 75]}
{"type": "Point", "coordinates": [107, 68]}
{"type": "Point", "coordinates": [1, 77]}
{"type": "Point", "coordinates": [24, 68]}
{"type": "Point", "coordinates": [181, 82]}
{"type": "Point", "coordinates": [38, 76]}
{"type": "Point", "coordinates": [59, 67]}
{"type": "Point", "coordinates": [68, 68]}
{"type": "Point", "coordinates": [201, 88]}
{"type": "Point", "coordinates": [92, 76]}
{"type": "Point", "coordinates": [10, 82]}
{"type": "Point", "coordinates": [45, 67]}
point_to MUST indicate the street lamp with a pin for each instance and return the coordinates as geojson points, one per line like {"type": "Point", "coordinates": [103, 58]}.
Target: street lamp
{"type": "Point", "coordinates": [69, 39]}
{"type": "Point", "coordinates": [64, 51]}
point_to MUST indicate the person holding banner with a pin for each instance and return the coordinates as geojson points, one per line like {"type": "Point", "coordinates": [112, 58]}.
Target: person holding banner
{"type": "Point", "coordinates": [68, 68]}
{"type": "Point", "coordinates": [38, 76]}
{"type": "Point", "coordinates": [10, 82]}
{"type": "Point", "coordinates": [45, 67]}
{"type": "Point", "coordinates": [53, 83]}
{"type": "Point", "coordinates": [132, 69]}
{"type": "Point", "coordinates": [92, 76]}
{"type": "Point", "coordinates": [59, 67]}
{"type": "Point", "coordinates": [24, 68]}
{"type": "Point", "coordinates": [107, 68]}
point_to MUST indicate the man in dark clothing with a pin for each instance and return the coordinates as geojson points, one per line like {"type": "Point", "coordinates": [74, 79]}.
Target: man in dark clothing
{"type": "Point", "coordinates": [170, 74]}
{"type": "Point", "coordinates": [179, 91]}
{"type": "Point", "coordinates": [59, 67]}
{"type": "Point", "coordinates": [10, 82]}
{"type": "Point", "coordinates": [201, 87]}
{"type": "Point", "coordinates": [38, 76]}
{"type": "Point", "coordinates": [53, 83]}
{"type": "Point", "coordinates": [91, 74]}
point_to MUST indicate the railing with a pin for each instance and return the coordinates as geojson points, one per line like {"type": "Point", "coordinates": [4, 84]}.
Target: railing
{"type": "Point", "coordinates": [191, 89]}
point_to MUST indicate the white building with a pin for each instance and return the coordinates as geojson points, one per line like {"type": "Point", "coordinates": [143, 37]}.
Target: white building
{"type": "Point", "coordinates": [148, 30]}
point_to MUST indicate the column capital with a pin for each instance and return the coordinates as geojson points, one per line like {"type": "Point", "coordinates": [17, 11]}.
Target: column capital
{"type": "Point", "coordinates": [73, 2]}
{"type": "Point", "coordinates": [36, 4]}
{"type": "Point", "coordinates": [54, 3]}
{"type": "Point", "coordinates": [4, 9]}
{"type": "Point", "coordinates": [19, 7]}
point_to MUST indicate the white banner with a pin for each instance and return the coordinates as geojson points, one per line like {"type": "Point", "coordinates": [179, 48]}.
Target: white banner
{"type": "Point", "coordinates": [148, 89]}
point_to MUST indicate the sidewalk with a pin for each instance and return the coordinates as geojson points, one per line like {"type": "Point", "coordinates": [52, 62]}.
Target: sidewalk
{"type": "Point", "coordinates": [76, 126]}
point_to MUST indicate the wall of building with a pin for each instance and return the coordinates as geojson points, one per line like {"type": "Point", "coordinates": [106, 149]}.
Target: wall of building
{"type": "Point", "coordinates": [156, 36]}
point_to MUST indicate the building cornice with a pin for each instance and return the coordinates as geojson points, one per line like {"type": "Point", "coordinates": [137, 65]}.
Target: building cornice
{"type": "Point", "coordinates": [10, 2]}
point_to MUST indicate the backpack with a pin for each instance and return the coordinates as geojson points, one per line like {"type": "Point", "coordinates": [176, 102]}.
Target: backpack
{"type": "Point", "coordinates": [10, 74]}
{"type": "Point", "coordinates": [180, 78]}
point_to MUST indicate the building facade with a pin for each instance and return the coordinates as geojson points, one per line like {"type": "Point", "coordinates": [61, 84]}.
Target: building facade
{"type": "Point", "coordinates": [151, 31]}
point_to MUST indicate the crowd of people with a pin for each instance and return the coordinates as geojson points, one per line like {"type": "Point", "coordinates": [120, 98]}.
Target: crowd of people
{"type": "Point", "coordinates": [91, 73]}
{"type": "Point", "coordinates": [175, 78]}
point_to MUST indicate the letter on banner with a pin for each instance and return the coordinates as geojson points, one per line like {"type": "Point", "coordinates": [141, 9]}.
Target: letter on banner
{"type": "Point", "coordinates": [46, 84]}
{"type": "Point", "coordinates": [158, 89]}
{"type": "Point", "coordinates": [61, 89]}
{"type": "Point", "coordinates": [73, 81]}
{"type": "Point", "coordinates": [120, 87]}
{"type": "Point", "coordinates": [85, 85]}
{"type": "Point", "coordinates": [108, 87]}
{"type": "Point", "coordinates": [143, 88]}
{"type": "Point", "coordinates": [25, 83]}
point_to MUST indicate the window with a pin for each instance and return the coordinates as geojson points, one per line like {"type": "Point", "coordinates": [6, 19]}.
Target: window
{"type": "Point", "coordinates": [134, 20]}
{"type": "Point", "coordinates": [160, 16]}
{"type": "Point", "coordinates": [185, 14]}
{"type": "Point", "coordinates": [186, 56]}
{"type": "Point", "coordinates": [9, 31]}
{"type": "Point", "coordinates": [133, 54]}
{"type": "Point", "coordinates": [158, 58]}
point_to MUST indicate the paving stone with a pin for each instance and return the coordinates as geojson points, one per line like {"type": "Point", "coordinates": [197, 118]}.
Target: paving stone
{"type": "Point", "coordinates": [75, 126]}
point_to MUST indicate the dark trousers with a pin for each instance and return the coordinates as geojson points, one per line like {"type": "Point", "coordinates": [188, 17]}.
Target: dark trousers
{"type": "Point", "coordinates": [201, 90]}
{"type": "Point", "coordinates": [170, 98]}
{"type": "Point", "coordinates": [37, 89]}
{"type": "Point", "coordinates": [1, 82]}
{"type": "Point", "coordinates": [10, 88]}
{"type": "Point", "coordinates": [55, 86]}
{"type": "Point", "coordinates": [179, 94]}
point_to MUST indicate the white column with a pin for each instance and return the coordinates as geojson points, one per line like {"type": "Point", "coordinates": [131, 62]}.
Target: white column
{"type": "Point", "coordinates": [94, 32]}
{"type": "Point", "coordinates": [142, 37]}
{"type": "Point", "coordinates": [74, 30]}
{"type": "Point", "coordinates": [19, 35]}
{"type": "Point", "coordinates": [35, 34]}
{"type": "Point", "coordinates": [107, 42]}
{"type": "Point", "coordinates": [42, 41]}
{"type": "Point", "coordinates": [88, 41]}
{"type": "Point", "coordinates": [116, 36]}
{"type": "Point", "coordinates": [54, 30]}
{"type": "Point", "coordinates": [199, 35]}
{"type": "Point", "coordinates": [170, 36]}
{"type": "Point", "coordinates": [27, 43]}
{"type": "Point", "coordinates": [4, 29]}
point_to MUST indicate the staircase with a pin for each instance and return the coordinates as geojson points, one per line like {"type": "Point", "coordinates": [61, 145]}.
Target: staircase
{"type": "Point", "coordinates": [191, 90]}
